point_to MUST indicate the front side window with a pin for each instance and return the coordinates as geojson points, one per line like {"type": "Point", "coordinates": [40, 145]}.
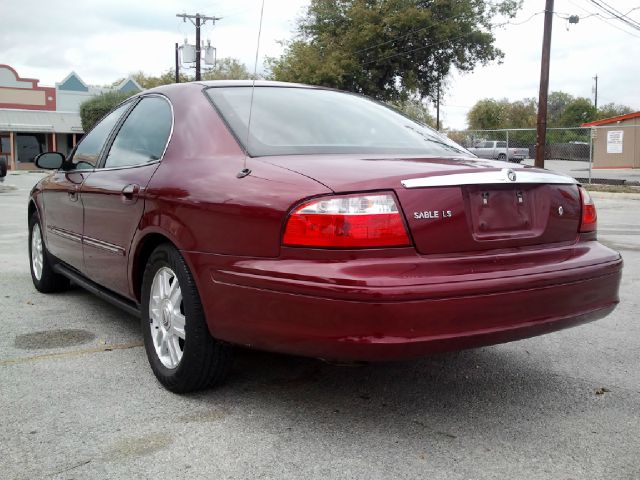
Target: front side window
{"type": "Point", "coordinates": [143, 135]}
{"type": "Point", "coordinates": [88, 150]}
{"type": "Point", "coordinates": [293, 121]}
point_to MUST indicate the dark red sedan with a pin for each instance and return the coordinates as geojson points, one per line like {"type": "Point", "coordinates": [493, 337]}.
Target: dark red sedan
{"type": "Point", "coordinates": [313, 222]}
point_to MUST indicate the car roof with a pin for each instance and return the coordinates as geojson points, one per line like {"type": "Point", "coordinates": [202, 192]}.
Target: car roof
{"type": "Point", "coordinates": [250, 83]}
{"type": "Point", "coordinates": [173, 87]}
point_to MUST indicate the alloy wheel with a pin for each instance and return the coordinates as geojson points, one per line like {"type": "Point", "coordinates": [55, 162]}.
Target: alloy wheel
{"type": "Point", "coordinates": [37, 251]}
{"type": "Point", "coordinates": [167, 320]}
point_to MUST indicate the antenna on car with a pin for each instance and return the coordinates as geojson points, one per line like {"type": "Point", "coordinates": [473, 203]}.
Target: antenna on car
{"type": "Point", "coordinates": [246, 171]}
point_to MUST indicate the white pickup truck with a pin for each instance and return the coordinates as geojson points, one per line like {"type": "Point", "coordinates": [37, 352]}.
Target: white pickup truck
{"type": "Point", "coordinates": [497, 150]}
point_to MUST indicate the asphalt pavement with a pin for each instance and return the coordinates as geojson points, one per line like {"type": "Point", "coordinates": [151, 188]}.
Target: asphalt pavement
{"type": "Point", "coordinates": [78, 399]}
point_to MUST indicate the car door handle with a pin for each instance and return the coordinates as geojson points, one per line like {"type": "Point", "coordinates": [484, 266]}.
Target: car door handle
{"type": "Point", "coordinates": [130, 191]}
{"type": "Point", "coordinates": [73, 194]}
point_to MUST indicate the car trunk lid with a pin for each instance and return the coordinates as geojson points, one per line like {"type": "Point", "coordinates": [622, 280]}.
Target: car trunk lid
{"type": "Point", "coordinates": [490, 209]}
{"type": "Point", "coordinates": [458, 204]}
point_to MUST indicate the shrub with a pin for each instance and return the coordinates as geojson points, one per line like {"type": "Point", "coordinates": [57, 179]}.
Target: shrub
{"type": "Point", "coordinates": [92, 111]}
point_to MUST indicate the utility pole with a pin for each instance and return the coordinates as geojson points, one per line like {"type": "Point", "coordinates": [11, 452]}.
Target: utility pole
{"type": "Point", "coordinates": [177, 65]}
{"type": "Point", "coordinates": [198, 20]}
{"type": "Point", "coordinates": [595, 101]}
{"type": "Point", "coordinates": [438, 106]}
{"type": "Point", "coordinates": [544, 85]}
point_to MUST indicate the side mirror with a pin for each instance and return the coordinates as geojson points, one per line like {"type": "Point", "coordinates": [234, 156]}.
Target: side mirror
{"type": "Point", "coordinates": [50, 160]}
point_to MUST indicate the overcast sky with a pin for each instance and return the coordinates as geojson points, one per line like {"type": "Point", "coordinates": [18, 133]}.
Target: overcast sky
{"type": "Point", "coordinates": [103, 40]}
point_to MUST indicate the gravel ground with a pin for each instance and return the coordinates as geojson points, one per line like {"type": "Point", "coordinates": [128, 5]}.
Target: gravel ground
{"type": "Point", "coordinates": [78, 399]}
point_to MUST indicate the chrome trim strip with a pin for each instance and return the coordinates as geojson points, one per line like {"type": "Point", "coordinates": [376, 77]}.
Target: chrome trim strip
{"type": "Point", "coordinates": [503, 176]}
{"type": "Point", "coordinates": [125, 167]}
{"type": "Point", "coordinates": [65, 234]}
{"type": "Point", "coordinates": [109, 247]}
{"type": "Point", "coordinates": [94, 242]}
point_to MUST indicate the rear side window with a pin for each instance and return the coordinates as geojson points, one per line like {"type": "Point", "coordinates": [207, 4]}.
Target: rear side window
{"type": "Point", "coordinates": [143, 135]}
{"type": "Point", "coordinates": [294, 121]}
{"type": "Point", "coordinates": [88, 150]}
{"type": "Point", "coordinates": [501, 144]}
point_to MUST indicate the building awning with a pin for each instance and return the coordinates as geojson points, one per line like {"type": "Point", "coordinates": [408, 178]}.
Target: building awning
{"type": "Point", "coordinates": [39, 121]}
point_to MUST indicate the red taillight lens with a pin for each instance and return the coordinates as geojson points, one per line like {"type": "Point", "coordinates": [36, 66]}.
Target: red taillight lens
{"type": "Point", "coordinates": [589, 220]}
{"type": "Point", "coordinates": [351, 221]}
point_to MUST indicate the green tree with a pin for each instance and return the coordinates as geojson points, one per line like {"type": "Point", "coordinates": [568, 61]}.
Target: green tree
{"type": "Point", "coordinates": [612, 110]}
{"type": "Point", "coordinates": [390, 49]}
{"type": "Point", "coordinates": [227, 69]}
{"type": "Point", "coordinates": [522, 113]}
{"type": "Point", "coordinates": [92, 110]}
{"type": "Point", "coordinates": [577, 112]}
{"type": "Point", "coordinates": [151, 81]}
{"type": "Point", "coordinates": [415, 109]}
{"type": "Point", "coordinates": [488, 114]}
{"type": "Point", "coordinates": [563, 110]}
{"type": "Point", "coordinates": [557, 102]}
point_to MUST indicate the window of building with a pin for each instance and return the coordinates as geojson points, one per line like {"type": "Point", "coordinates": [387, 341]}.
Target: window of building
{"type": "Point", "coordinates": [143, 135]}
{"type": "Point", "coordinates": [29, 145]}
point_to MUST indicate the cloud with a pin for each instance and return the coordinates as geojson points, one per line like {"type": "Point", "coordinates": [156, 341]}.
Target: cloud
{"type": "Point", "coordinates": [104, 40]}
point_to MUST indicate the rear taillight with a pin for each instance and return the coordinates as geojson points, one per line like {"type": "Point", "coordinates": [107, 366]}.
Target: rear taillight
{"type": "Point", "coordinates": [589, 219]}
{"type": "Point", "coordinates": [350, 221]}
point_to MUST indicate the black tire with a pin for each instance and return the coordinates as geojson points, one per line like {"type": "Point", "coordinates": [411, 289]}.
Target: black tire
{"type": "Point", "coordinates": [49, 280]}
{"type": "Point", "coordinates": [205, 361]}
{"type": "Point", "coordinates": [502, 157]}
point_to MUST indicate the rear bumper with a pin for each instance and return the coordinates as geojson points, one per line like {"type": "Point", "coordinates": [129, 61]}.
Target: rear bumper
{"type": "Point", "coordinates": [380, 321]}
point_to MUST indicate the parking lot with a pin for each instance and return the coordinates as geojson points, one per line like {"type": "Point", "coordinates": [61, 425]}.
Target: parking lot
{"type": "Point", "coordinates": [78, 399]}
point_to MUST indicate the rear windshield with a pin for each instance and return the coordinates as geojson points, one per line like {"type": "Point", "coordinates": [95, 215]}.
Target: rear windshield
{"type": "Point", "coordinates": [296, 121]}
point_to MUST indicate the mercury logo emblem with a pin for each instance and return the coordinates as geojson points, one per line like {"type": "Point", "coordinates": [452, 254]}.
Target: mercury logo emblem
{"type": "Point", "coordinates": [511, 175]}
{"type": "Point", "coordinates": [560, 210]}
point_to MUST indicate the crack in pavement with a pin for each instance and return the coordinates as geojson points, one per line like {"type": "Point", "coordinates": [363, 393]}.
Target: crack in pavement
{"type": "Point", "coordinates": [73, 353]}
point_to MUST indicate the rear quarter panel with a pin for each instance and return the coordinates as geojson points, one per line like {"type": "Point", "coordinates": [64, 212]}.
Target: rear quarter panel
{"type": "Point", "coordinates": [195, 198]}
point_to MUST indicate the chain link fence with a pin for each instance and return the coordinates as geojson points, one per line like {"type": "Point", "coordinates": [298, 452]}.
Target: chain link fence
{"type": "Point", "coordinates": [610, 152]}
{"type": "Point", "coordinates": [562, 143]}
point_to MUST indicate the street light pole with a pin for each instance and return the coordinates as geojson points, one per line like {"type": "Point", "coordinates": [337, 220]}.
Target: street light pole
{"type": "Point", "coordinates": [544, 85]}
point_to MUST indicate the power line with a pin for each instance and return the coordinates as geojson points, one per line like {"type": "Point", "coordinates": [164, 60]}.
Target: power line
{"type": "Point", "coordinates": [609, 18]}
{"type": "Point", "coordinates": [611, 11]}
{"type": "Point", "coordinates": [603, 19]}
{"type": "Point", "coordinates": [429, 27]}
{"type": "Point", "coordinates": [423, 47]}
{"type": "Point", "coordinates": [618, 13]}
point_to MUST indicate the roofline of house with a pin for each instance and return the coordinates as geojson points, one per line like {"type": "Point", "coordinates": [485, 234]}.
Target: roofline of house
{"type": "Point", "coordinates": [606, 121]}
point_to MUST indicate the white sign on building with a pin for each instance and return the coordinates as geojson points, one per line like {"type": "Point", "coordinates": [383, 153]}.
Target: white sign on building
{"type": "Point", "coordinates": [615, 139]}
